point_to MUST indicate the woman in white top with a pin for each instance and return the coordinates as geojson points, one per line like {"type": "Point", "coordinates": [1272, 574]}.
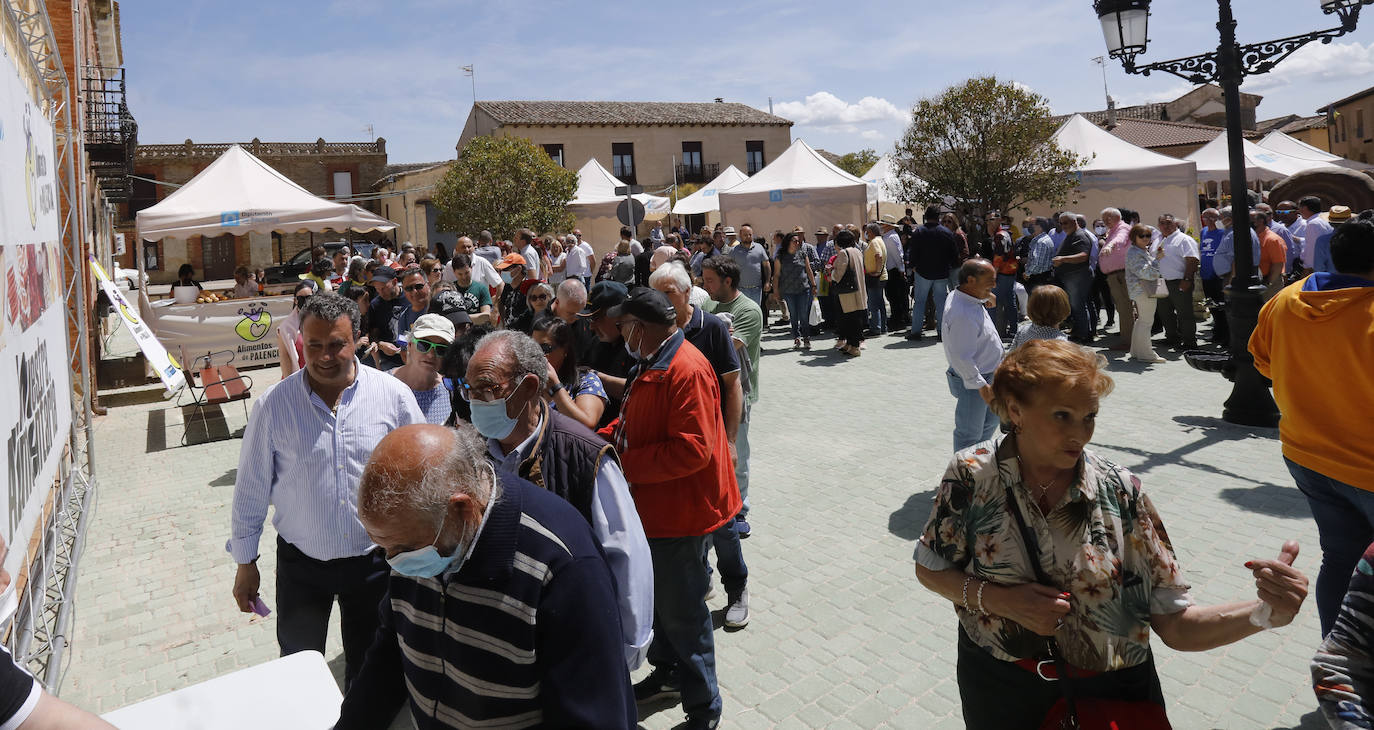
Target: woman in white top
{"type": "Point", "coordinates": [289, 345]}
{"type": "Point", "coordinates": [1142, 274]}
{"type": "Point", "coordinates": [558, 263]}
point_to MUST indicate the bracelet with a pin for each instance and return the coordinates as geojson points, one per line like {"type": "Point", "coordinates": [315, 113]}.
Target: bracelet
{"type": "Point", "coordinates": [981, 586]}
{"type": "Point", "coordinates": [966, 606]}
{"type": "Point", "coordinates": [557, 387]}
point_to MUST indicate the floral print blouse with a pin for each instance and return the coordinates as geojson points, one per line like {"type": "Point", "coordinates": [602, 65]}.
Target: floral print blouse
{"type": "Point", "coordinates": [1103, 543]}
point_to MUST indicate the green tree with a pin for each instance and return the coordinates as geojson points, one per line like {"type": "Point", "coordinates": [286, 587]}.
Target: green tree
{"type": "Point", "coordinates": [503, 184]}
{"type": "Point", "coordinates": [857, 163]}
{"type": "Point", "coordinates": [986, 144]}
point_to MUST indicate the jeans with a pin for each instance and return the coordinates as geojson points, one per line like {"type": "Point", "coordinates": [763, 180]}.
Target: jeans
{"type": "Point", "coordinates": [1079, 286]}
{"type": "Point", "coordinates": [799, 313]}
{"type": "Point", "coordinates": [1177, 313]}
{"type": "Point", "coordinates": [742, 460]}
{"type": "Point", "coordinates": [1345, 527]}
{"type": "Point", "coordinates": [734, 574]}
{"type": "Point", "coordinates": [974, 422]}
{"type": "Point", "coordinates": [306, 589]}
{"type": "Point", "coordinates": [924, 288]}
{"type": "Point", "coordinates": [1005, 314]}
{"type": "Point", "coordinates": [877, 313]}
{"type": "Point", "coordinates": [683, 640]}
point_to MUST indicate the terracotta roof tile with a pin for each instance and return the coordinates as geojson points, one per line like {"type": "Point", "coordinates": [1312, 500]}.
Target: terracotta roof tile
{"type": "Point", "coordinates": [626, 113]}
{"type": "Point", "coordinates": [1154, 133]}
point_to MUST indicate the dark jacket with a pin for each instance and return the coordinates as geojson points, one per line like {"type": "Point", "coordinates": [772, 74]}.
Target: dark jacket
{"type": "Point", "coordinates": [932, 252]}
{"type": "Point", "coordinates": [564, 460]}
{"type": "Point", "coordinates": [525, 633]}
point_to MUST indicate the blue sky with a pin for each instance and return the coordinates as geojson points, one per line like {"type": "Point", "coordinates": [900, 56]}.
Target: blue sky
{"type": "Point", "coordinates": [847, 73]}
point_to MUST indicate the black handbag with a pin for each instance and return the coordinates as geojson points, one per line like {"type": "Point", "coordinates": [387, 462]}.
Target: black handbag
{"type": "Point", "coordinates": [849, 282]}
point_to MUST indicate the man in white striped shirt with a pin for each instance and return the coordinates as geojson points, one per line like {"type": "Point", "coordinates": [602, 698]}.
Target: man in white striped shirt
{"type": "Point", "coordinates": [303, 452]}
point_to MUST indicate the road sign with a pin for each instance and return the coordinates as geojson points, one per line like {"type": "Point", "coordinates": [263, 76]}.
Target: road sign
{"type": "Point", "coordinates": [629, 207]}
{"type": "Point", "coordinates": [629, 189]}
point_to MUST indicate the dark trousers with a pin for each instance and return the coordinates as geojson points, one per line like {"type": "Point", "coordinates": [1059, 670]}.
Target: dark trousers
{"type": "Point", "coordinates": [306, 589]}
{"type": "Point", "coordinates": [1102, 297]}
{"type": "Point", "coordinates": [683, 640]}
{"type": "Point", "coordinates": [1215, 290]}
{"type": "Point", "coordinates": [851, 326]}
{"type": "Point", "coordinates": [734, 574]}
{"type": "Point", "coordinates": [1177, 312]}
{"type": "Point", "coordinates": [899, 297]}
{"type": "Point", "coordinates": [1345, 527]}
{"type": "Point", "coordinates": [998, 695]}
{"type": "Point", "coordinates": [1040, 279]}
{"type": "Point", "coordinates": [830, 311]}
{"type": "Point", "coordinates": [1078, 285]}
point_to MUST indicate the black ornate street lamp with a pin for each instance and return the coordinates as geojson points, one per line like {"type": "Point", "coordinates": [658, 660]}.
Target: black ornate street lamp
{"type": "Point", "coordinates": [1125, 27]}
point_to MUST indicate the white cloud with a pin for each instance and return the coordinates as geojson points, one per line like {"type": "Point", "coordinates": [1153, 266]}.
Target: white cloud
{"type": "Point", "coordinates": [873, 134]}
{"type": "Point", "coordinates": [1316, 63]}
{"type": "Point", "coordinates": [825, 110]}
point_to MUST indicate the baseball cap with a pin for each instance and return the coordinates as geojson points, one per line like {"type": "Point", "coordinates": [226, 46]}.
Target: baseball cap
{"type": "Point", "coordinates": [383, 273]}
{"type": "Point", "coordinates": [649, 305]}
{"type": "Point", "coordinates": [433, 326]}
{"type": "Point", "coordinates": [603, 296]}
{"type": "Point", "coordinates": [509, 260]}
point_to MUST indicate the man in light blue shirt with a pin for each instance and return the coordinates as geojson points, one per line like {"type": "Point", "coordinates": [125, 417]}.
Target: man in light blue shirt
{"type": "Point", "coordinates": [303, 453]}
{"type": "Point", "coordinates": [1310, 208]}
{"type": "Point", "coordinates": [1039, 252]}
{"type": "Point", "coordinates": [974, 350]}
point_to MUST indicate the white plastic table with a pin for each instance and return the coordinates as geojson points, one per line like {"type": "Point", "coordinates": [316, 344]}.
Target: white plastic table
{"type": "Point", "coordinates": [296, 692]}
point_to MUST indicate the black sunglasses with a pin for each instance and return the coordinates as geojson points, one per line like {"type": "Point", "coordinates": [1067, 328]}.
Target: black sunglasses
{"type": "Point", "coordinates": [416, 287]}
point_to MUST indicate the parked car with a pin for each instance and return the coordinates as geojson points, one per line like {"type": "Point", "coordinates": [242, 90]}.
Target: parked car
{"type": "Point", "coordinates": [300, 263]}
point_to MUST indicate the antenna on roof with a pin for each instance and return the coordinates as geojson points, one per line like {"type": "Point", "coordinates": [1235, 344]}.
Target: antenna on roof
{"type": "Point", "coordinates": [1101, 62]}
{"type": "Point", "coordinates": [371, 134]}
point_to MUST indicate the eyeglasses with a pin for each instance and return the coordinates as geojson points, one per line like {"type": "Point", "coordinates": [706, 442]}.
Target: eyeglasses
{"type": "Point", "coordinates": [426, 346]}
{"type": "Point", "coordinates": [485, 394]}
{"type": "Point", "coordinates": [539, 298]}
{"type": "Point", "coordinates": [416, 287]}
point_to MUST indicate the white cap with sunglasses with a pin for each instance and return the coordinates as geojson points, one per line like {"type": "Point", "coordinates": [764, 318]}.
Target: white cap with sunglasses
{"type": "Point", "coordinates": [434, 327]}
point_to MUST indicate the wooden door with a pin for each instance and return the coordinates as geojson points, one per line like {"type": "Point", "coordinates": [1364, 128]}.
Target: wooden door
{"type": "Point", "coordinates": [218, 257]}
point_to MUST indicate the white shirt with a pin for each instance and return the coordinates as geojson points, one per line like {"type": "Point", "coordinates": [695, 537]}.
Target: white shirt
{"type": "Point", "coordinates": [616, 525]}
{"type": "Point", "coordinates": [557, 277]}
{"type": "Point", "coordinates": [482, 271]}
{"type": "Point", "coordinates": [1299, 231]}
{"type": "Point", "coordinates": [578, 260]}
{"type": "Point", "coordinates": [531, 262]}
{"type": "Point", "coordinates": [636, 248]}
{"type": "Point", "coordinates": [1177, 247]}
{"type": "Point", "coordinates": [1316, 226]}
{"type": "Point", "coordinates": [972, 345]}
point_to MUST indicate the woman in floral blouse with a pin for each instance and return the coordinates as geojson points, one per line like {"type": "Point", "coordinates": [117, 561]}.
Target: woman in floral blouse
{"type": "Point", "coordinates": [1112, 571]}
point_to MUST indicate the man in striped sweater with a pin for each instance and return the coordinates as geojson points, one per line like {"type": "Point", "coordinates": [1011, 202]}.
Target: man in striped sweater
{"type": "Point", "coordinates": [501, 610]}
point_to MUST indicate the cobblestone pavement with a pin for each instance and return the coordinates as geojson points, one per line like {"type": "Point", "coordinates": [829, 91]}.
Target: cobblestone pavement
{"type": "Point", "coordinates": [846, 458]}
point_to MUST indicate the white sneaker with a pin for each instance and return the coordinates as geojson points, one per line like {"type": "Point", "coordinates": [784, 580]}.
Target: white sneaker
{"type": "Point", "coordinates": [737, 610]}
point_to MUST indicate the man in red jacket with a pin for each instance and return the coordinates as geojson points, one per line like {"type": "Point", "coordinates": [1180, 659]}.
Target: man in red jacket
{"type": "Point", "coordinates": [674, 452]}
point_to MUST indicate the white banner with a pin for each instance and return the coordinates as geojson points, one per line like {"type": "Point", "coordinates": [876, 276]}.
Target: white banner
{"type": "Point", "coordinates": [167, 370]}
{"type": "Point", "coordinates": [35, 385]}
{"type": "Point", "coordinates": [246, 327]}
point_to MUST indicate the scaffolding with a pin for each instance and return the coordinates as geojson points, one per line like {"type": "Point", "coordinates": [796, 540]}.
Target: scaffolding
{"type": "Point", "coordinates": [37, 634]}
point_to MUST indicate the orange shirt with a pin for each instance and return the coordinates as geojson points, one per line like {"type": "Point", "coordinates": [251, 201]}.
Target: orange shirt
{"type": "Point", "coordinates": [1272, 251]}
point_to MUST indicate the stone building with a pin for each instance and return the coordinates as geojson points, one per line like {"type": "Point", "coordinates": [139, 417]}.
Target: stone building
{"type": "Point", "coordinates": [1352, 126]}
{"type": "Point", "coordinates": [403, 197]}
{"type": "Point", "coordinates": [337, 170]}
{"type": "Point", "coordinates": [1311, 130]}
{"type": "Point", "coordinates": [642, 143]}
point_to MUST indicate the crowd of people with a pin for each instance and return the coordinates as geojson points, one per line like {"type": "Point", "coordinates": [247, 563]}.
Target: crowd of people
{"type": "Point", "coordinates": [529, 456]}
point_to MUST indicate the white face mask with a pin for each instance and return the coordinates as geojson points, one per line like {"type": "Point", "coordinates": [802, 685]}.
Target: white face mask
{"type": "Point", "coordinates": [1100, 230]}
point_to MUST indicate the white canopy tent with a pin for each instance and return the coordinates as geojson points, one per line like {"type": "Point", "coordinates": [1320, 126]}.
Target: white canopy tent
{"type": "Point", "coordinates": [799, 188]}
{"type": "Point", "coordinates": [707, 199]}
{"type": "Point", "coordinates": [1119, 174]}
{"type": "Point", "coordinates": [1279, 142]}
{"type": "Point", "coordinates": [596, 203]}
{"type": "Point", "coordinates": [882, 185]}
{"type": "Point", "coordinates": [1261, 164]}
{"type": "Point", "coordinates": [239, 194]}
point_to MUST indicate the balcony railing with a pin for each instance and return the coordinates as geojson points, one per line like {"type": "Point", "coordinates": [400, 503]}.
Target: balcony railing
{"type": "Point", "coordinates": [111, 135]}
{"type": "Point", "coordinates": [698, 173]}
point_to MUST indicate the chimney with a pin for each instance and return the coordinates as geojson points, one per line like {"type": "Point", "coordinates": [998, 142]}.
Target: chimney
{"type": "Point", "coordinates": [1111, 113]}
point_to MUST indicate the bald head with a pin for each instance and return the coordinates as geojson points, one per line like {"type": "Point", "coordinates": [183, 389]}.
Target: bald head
{"type": "Point", "coordinates": [416, 470]}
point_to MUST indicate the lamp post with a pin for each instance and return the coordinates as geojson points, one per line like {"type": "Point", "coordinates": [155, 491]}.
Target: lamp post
{"type": "Point", "coordinates": [1125, 27]}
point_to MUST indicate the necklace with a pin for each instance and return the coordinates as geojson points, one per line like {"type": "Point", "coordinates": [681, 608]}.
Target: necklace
{"type": "Point", "coordinates": [1044, 487]}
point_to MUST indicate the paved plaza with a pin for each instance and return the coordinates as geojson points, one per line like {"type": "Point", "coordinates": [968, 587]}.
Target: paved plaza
{"type": "Point", "coordinates": [847, 455]}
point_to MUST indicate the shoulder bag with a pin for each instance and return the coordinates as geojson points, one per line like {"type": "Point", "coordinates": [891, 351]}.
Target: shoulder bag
{"type": "Point", "coordinates": [1082, 713]}
{"type": "Point", "coordinates": [849, 281]}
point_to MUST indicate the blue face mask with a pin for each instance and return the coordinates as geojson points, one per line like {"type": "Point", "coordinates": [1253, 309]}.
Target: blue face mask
{"type": "Point", "coordinates": [490, 418]}
{"type": "Point", "coordinates": [505, 276]}
{"type": "Point", "coordinates": [425, 562]}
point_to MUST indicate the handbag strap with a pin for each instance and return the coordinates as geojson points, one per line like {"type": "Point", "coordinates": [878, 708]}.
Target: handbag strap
{"type": "Point", "coordinates": [1060, 666]}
